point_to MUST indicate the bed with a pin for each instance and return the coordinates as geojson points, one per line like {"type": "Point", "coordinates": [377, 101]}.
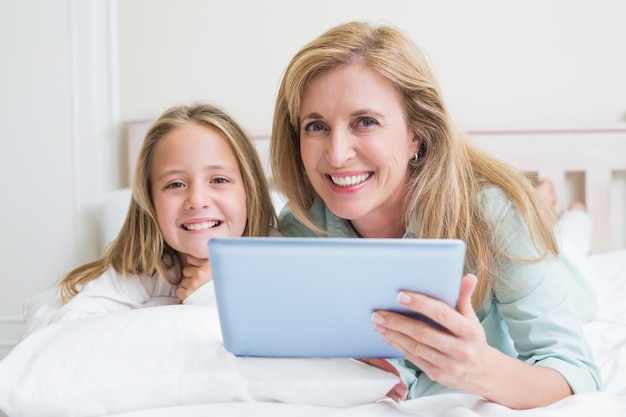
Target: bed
{"type": "Point", "coordinates": [169, 360]}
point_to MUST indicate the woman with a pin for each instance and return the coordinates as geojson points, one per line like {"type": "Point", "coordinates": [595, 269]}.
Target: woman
{"type": "Point", "coordinates": [363, 146]}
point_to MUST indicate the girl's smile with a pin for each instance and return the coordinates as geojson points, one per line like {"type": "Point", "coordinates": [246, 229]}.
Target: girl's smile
{"type": "Point", "coordinates": [197, 188]}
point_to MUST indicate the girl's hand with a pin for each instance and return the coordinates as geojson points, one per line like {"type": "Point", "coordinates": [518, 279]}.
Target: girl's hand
{"type": "Point", "coordinates": [457, 356]}
{"type": "Point", "coordinates": [196, 273]}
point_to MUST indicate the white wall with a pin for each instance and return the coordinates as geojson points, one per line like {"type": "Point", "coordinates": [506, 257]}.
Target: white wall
{"type": "Point", "coordinates": [58, 147]}
{"type": "Point", "coordinates": [535, 62]}
{"type": "Point", "coordinates": [69, 74]}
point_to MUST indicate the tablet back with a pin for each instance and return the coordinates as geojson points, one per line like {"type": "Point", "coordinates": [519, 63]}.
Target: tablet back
{"type": "Point", "coordinates": [314, 297]}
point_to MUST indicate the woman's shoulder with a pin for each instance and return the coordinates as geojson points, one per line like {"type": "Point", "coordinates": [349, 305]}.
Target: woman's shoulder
{"type": "Point", "coordinates": [290, 225]}
{"type": "Point", "coordinates": [321, 217]}
{"type": "Point", "coordinates": [495, 202]}
{"type": "Point", "coordinates": [275, 233]}
{"type": "Point", "coordinates": [510, 231]}
{"type": "Point", "coordinates": [509, 227]}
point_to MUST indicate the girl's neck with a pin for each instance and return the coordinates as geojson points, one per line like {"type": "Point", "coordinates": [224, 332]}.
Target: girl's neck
{"type": "Point", "coordinates": [182, 260]}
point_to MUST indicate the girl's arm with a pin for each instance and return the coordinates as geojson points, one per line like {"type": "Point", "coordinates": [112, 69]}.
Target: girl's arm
{"type": "Point", "coordinates": [109, 293]}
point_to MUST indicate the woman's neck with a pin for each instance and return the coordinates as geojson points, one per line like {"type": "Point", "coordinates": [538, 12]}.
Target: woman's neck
{"type": "Point", "coordinates": [382, 226]}
{"type": "Point", "coordinates": [378, 232]}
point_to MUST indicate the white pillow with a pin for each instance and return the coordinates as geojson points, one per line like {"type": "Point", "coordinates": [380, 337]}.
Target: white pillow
{"type": "Point", "coordinates": [164, 356]}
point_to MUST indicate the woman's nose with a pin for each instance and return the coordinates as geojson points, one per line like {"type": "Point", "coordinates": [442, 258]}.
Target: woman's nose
{"type": "Point", "coordinates": [340, 148]}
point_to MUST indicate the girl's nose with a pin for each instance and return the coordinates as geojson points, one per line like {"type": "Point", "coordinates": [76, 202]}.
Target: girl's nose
{"type": "Point", "coordinates": [340, 148]}
{"type": "Point", "coordinates": [197, 197]}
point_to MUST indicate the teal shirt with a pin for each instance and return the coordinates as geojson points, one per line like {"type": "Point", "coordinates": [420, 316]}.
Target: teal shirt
{"type": "Point", "coordinates": [533, 312]}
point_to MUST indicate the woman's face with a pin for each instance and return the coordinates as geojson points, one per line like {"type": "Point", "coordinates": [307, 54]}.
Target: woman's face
{"type": "Point", "coordinates": [356, 145]}
{"type": "Point", "coordinates": [197, 188]}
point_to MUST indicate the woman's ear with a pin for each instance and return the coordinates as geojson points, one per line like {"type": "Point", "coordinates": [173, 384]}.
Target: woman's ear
{"type": "Point", "coordinates": [415, 151]}
{"type": "Point", "coordinates": [416, 144]}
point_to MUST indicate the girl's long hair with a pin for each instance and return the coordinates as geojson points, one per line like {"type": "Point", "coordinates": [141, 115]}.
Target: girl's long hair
{"type": "Point", "coordinates": [139, 247]}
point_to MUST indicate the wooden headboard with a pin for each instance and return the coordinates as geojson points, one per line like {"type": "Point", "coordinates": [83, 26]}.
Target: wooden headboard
{"type": "Point", "coordinates": [585, 164]}
{"type": "Point", "coordinates": [588, 165]}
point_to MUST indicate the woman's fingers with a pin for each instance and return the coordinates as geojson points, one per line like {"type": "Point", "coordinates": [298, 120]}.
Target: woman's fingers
{"type": "Point", "coordinates": [440, 312]}
{"type": "Point", "coordinates": [412, 337]}
{"type": "Point", "coordinates": [449, 354]}
{"type": "Point", "coordinates": [464, 305]}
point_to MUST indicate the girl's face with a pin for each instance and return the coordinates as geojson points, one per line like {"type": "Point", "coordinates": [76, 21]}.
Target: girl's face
{"type": "Point", "coordinates": [356, 145]}
{"type": "Point", "coordinates": [197, 188]}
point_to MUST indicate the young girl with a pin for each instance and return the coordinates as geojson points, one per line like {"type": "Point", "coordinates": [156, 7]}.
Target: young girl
{"type": "Point", "coordinates": [198, 176]}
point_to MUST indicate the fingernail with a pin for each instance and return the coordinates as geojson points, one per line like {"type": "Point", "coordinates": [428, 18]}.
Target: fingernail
{"type": "Point", "coordinates": [378, 318]}
{"type": "Point", "coordinates": [404, 298]}
{"type": "Point", "coordinates": [472, 276]}
{"type": "Point", "coordinates": [380, 330]}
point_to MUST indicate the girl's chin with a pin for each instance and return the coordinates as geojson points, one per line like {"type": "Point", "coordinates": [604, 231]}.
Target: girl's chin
{"type": "Point", "coordinates": [203, 254]}
{"type": "Point", "coordinates": [196, 253]}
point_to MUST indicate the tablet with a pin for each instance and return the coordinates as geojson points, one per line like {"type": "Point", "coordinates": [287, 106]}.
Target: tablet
{"type": "Point", "coordinates": [314, 297]}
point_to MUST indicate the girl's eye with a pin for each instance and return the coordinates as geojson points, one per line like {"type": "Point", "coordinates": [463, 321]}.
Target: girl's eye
{"type": "Point", "coordinates": [219, 180]}
{"type": "Point", "coordinates": [367, 121]}
{"type": "Point", "coordinates": [314, 127]}
{"type": "Point", "coordinates": [173, 185]}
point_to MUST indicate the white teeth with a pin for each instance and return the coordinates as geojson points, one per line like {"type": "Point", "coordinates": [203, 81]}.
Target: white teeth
{"type": "Point", "coordinates": [350, 181]}
{"type": "Point", "coordinates": [201, 226]}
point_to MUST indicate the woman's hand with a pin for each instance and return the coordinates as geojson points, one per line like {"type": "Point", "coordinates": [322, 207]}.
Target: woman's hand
{"type": "Point", "coordinates": [196, 273]}
{"type": "Point", "coordinates": [457, 356]}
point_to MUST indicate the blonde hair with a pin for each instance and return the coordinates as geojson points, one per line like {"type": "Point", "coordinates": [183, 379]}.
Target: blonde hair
{"type": "Point", "coordinates": [139, 247]}
{"type": "Point", "coordinates": [451, 169]}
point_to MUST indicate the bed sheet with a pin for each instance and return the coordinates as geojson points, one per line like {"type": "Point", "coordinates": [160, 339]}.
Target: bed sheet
{"type": "Point", "coordinates": [441, 405]}
{"type": "Point", "coordinates": [606, 333]}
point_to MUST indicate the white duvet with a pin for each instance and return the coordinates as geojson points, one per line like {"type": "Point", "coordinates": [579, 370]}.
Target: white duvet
{"type": "Point", "coordinates": [169, 361]}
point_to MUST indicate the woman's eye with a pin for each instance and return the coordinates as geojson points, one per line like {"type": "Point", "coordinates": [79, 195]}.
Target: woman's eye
{"type": "Point", "coordinates": [367, 121]}
{"type": "Point", "coordinates": [314, 127]}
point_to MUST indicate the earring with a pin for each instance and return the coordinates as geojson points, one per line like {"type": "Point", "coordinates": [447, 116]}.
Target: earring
{"type": "Point", "coordinates": [415, 158]}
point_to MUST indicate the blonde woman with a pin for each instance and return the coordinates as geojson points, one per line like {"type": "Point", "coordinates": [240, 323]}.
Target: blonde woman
{"type": "Point", "coordinates": [198, 176]}
{"type": "Point", "coordinates": [364, 146]}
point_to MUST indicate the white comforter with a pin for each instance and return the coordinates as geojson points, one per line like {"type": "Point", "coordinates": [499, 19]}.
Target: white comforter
{"type": "Point", "coordinates": [169, 361]}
